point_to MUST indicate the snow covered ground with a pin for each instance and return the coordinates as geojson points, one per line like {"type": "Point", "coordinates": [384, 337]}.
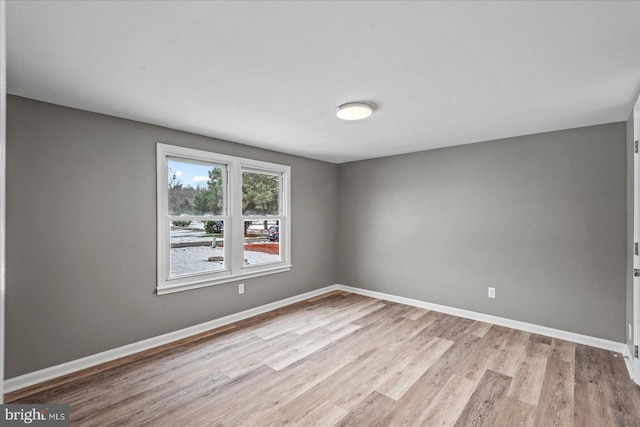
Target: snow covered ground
{"type": "Point", "coordinates": [194, 259]}
{"type": "Point", "coordinates": [195, 233]}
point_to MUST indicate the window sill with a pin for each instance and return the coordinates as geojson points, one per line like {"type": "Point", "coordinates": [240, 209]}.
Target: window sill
{"type": "Point", "coordinates": [170, 289]}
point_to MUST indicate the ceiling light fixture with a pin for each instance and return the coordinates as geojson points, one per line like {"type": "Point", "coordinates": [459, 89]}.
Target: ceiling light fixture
{"type": "Point", "coordinates": [354, 111]}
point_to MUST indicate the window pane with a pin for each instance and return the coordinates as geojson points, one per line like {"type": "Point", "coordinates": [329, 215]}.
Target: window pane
{"type": "Point", "coordinates": [196, 247]}
{"type": "Point", "coordinates": [261, 242]}
{"type": "Point", "coordinates": [194, 189]}
{"type": "Point", "coordinates": [260, 193]}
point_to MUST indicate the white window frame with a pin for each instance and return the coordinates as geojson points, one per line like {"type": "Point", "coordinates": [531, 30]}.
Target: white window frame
{"type": "Point", "coordinates": [232, 215]}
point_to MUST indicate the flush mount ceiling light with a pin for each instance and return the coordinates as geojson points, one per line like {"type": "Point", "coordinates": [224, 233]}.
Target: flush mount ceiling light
{"type": "Point", "coordinates": [354, 111]}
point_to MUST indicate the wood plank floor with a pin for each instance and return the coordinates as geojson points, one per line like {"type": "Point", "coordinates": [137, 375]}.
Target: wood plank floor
{"type": "Point", "coordinates": [349, 360]}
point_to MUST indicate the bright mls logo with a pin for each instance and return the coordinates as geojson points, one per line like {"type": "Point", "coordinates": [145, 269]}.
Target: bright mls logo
{"type": "Point", "coordinates": [36, 415]}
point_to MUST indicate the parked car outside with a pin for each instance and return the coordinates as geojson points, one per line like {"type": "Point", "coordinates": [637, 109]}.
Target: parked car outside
{"type": "Point", "coordinates": [274, 234]}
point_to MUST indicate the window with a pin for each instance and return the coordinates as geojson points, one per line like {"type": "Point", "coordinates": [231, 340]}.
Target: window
{"type": "Point", "coordinates": [220, 218]}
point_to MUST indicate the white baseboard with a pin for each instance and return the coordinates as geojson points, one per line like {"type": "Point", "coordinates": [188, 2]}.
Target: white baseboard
{"type": "Point", "coordinates": [628, 360]}
{"type": "Point", "coordinates": [67, 368]}
{"type": "Point", "coordinates": [32, 378]}
{"type": "Point", "coordinates": [631, 365]}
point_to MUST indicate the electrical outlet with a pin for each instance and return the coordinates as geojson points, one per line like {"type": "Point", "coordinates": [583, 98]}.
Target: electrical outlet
{"type": "Point", "coordinates": [492, 293]}
{"type": "Point", "coordinates": [241, 288]}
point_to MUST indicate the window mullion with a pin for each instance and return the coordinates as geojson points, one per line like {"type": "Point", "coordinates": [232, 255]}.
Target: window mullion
{"type": "Point", "coordinates": [235, 200]}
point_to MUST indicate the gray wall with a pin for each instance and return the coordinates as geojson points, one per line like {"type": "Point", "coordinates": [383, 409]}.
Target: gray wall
{"type": "Point", "coordinates": [630, 249]}
{"type": "Point", "coordinates": [81, 236]}
{"type": "Point", "coordinates": [542, 218]}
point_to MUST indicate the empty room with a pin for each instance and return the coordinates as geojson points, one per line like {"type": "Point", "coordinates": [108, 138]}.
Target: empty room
{"type": "Point", "coordinates": [331, 213]}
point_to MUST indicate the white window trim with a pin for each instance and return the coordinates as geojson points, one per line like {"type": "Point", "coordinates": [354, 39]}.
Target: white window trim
{"type": "Point", "coordinates": [232, 215]}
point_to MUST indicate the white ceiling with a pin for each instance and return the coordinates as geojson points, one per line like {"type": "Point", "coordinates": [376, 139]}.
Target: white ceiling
{"type": "Point", "coordinates": [271, 74]}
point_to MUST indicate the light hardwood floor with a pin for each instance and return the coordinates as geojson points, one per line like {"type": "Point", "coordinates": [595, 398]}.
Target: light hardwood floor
{"type": "Point", "coordinates": [348, 360]}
